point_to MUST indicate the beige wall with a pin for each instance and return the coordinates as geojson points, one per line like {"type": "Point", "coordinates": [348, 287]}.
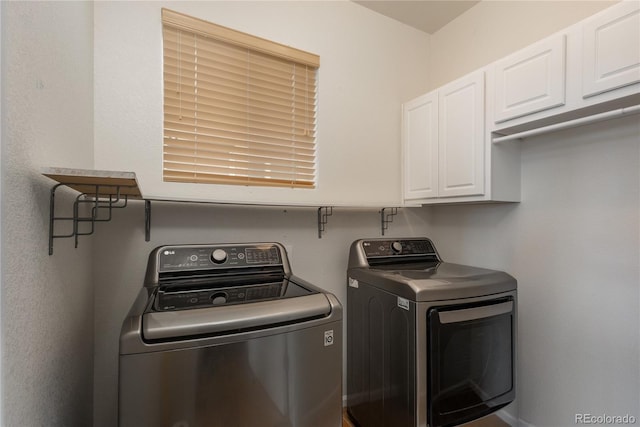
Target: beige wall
{"type": "Point", "coordinates": [493, 29]}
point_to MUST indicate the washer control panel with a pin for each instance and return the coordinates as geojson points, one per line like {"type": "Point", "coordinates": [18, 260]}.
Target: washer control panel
{"type": "Point", "coordinates": [397, 247]}
{"type": "Point", "coordinates": [198, 257]}
{"type": "Point", "coordinates": [212, 297]}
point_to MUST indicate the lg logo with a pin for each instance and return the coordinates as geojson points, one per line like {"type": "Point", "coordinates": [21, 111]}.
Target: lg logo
{"type": "Point", "coordinates": [328, 337]}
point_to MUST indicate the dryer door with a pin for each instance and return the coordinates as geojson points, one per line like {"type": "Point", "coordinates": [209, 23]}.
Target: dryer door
{"type": "Point", "coordinates": [471, 360]}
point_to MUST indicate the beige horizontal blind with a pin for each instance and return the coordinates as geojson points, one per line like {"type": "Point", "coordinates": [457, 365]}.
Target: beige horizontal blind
{"type": "Point", "coordinates": [238, 109]}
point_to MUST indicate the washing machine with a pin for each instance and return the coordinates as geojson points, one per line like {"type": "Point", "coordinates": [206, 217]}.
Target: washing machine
{"type": "Point", "coordinates": [429, 343]}
{"type": "Point", "coordinates": [225, 335]}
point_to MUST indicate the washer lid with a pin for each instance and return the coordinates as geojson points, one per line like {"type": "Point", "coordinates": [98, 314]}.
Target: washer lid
{"type": "Point", "coordinates": [435, 281]}
{"type": "Point", "coordinates": [214, 291]}
{"type": "Point", "coordinates": [226, 319]}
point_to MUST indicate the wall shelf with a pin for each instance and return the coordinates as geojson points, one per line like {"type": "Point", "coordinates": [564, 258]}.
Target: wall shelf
{"type": "Point", "coordinates": [103, 191]}
{"type": "Point", "coordinates": [100, 191]}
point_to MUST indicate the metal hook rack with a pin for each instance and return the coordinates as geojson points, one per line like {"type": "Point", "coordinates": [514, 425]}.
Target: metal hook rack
{"type": "Point", "coordinates": [102, 191]}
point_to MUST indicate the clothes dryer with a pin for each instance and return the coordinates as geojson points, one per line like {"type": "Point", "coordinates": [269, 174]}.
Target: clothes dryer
{"type": "Point", "coordinates": [429, 343]}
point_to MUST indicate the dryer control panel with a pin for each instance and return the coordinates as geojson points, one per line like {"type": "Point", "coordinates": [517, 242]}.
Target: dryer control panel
{"type": "Point", "coordinates": [398, 247]}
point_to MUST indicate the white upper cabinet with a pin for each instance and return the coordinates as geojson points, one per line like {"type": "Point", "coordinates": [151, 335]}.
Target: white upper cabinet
{"type": "Point", "coordinates": [588, 68]}
{"type": "Point", "coordinates": [611, 49]}
{"type": "Point", "coordinates": [530, 80]}
{"type": "Point", "coordinates": [461, 137]}
{"type": "Point", "coordinates": [444, 143]}
{"type": "Point", "coordinates": [420, 147]}
{"type": "Point", "coordinates": [460, 141]}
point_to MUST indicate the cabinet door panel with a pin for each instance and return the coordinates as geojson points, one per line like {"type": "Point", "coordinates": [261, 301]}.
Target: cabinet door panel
{"type": "Point", "coordinates": [420, 142]}
{"type": "Point", "coordinates": [461, 137]}
{"type": "Point", "coordinates": [530, 80]}
{"type": "Point", "coordinates": [611, 49]}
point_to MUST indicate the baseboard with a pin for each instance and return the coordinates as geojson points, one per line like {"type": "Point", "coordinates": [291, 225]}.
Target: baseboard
{"type": "Point", "coordinates": [507, 418]}
{"type": "Point", "coordinates": [511, 420]}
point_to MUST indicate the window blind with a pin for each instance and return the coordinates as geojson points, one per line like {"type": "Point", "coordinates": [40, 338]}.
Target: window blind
{"type": "Point", "coordinates": [238, 109]}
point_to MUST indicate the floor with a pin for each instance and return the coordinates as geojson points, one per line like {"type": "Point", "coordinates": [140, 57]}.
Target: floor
{"type": "Point", "coordinates": [346, 422]}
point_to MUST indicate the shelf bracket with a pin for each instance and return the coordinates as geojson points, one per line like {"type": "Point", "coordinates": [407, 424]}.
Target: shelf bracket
{"type": "Point", "coordinates": [323, 213]}
{"type": "Point", "coordinates": [387, 218]}
{"type": "Point", "coordinates": [97, 202]}
{"type": "Point", "coordinates": [147, 220]}
{"type": "Point", "coordinates": [100, 191]}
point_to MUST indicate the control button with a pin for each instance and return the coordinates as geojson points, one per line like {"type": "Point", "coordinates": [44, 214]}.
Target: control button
{"type": "Point", "coordinates": [219, 256]}
{"type": "Point", "coordinates": [193, 258]}
{"type": "Point", "coordinates": [219, 298]}
{"type": "Point", "coordinates": [396, 247]}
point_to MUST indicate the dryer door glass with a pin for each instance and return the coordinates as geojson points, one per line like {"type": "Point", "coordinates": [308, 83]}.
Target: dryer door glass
{"type": "Point", "coordinates": [471, 360]}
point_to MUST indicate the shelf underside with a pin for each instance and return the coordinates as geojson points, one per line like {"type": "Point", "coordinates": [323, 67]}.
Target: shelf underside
{"type": "Point", "coordinates": [92, 182]}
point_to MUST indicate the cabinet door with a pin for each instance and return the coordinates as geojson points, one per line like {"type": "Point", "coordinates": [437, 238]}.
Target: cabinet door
{"type": "Point", "coordinates": [530, 80]}
{"type": "Point", "coordinates": [461, 137]}
{"type": "Point", "coordinates": [420, 147]}
{"type": "Point", "coordinates": [611, 49]}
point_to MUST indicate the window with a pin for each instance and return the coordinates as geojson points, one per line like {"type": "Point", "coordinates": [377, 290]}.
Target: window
{"type": "Point", "coordinates": [238, 109]}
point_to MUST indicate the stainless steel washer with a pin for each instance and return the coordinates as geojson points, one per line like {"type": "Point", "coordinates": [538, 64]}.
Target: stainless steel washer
{"type": "Point", "coordinates": [429, 343]}
{"type": "Point", "coordinates": [225, 335]}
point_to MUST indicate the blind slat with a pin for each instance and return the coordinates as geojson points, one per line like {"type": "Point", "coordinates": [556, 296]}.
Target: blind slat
{"type": "Point", "coordinates": [179, 176]}
{"type": "Point", "coordinates": [239, 169]}
{"type": "Point", "coordinates": [214, 154]}
{"type": "Point", "coordinates": [275, 152]}
{"type": "Point", "coordinates": [212, 124]}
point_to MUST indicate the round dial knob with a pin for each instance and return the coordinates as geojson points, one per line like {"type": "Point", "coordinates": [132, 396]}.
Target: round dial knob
{"type": "Point", "coordinates": [218, 298]}
{"type": "Point", "coordinates": [219, 256]}
{"type": "Point", "coordinates": [396, 247]}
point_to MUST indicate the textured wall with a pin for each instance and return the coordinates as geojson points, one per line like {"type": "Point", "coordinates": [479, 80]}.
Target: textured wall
{"type": "Point", "coordinates": [47, 302]}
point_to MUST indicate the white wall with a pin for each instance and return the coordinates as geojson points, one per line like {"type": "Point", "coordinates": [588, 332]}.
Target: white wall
{"type": "Point", "coordinates": [368, 65]}
{"type": "Point", "coordinates": [572, 242]}
{"type": "Point", "coordinates": [1, 242]}
{"type": "Point", "coordinates": [47, 302]}
{"type": "Point", "coordinates": [573, 245]}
